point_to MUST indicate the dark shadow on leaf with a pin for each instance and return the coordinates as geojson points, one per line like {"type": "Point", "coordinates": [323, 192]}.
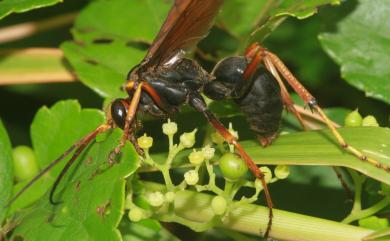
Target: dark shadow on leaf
{"type": "Point", "coordinates": [103, 40]}
{"type": "Point", "coordinates": [91, 61]}
{"type": "Point", "coordinates": [138, 45]}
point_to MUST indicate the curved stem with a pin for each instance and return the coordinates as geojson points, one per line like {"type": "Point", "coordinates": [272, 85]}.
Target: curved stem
{"type": "Point", "coordinates": [368, 211]}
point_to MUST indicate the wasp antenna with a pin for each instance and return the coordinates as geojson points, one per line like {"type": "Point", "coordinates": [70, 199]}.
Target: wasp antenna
{"type": "Point", "coordinates": [79, 145]}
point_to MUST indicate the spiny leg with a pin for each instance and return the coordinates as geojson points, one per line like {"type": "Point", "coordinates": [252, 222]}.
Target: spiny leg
{"type": "Point", "coordinates": [309, 99]}
{"type": "Point", "coordinates": [290, 106]}
{"type": "Point", "coordinates": [287, 100]}
{"type": "Point", "coordinates": [197, 102]}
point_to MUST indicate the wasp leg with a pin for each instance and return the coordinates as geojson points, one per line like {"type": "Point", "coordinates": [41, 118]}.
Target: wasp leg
{"type": "Point", "coordinates": [198, 103]}
{"type": "Point", "coordinates": [131, 112]}
{"type": "Point", "coordinates": [287, 100]}
{"type": "Point", "coordinates": [309, 99]}
{"type": "Point", "coordinates": [136, 126]}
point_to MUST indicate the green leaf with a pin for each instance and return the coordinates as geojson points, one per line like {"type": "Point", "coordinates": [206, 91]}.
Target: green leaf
{"type": "Point", "coordinates": [110, 38]}
{"type": "Point", "coordinates": [6, 171]}
{"type": "Point", "coordinates": [92, 193]}
{"type": "Point", "coordinates": [374, 223]}
{"type": "Point", "coordinates": [260, 18]}
{"type": "Point", "coordinates": [19, 6]}
{"type": "Point", "coordinates": [145, 230]}
{"type": "Point", "coordinates": [319, 148]}
{"type": "Point", "coordinates": [361, 47]}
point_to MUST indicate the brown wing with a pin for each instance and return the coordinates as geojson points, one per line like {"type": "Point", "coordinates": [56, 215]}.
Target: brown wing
{"type": "Point", "coordinates": [187, 23]}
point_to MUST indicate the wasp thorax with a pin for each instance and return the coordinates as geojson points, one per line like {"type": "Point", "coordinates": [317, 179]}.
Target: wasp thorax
{"type": "Point", "coordinates": [119, 112]}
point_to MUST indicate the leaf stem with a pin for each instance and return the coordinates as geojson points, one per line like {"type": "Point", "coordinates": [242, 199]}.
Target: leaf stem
{"type": "Point", "coordinates": [247, 218]}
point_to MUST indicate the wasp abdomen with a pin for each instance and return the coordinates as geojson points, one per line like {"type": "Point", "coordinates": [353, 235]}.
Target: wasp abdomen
{"type": "Point", "coordinates": [262, 106]}
{"type": "Point", "coordinates": [259, 97]}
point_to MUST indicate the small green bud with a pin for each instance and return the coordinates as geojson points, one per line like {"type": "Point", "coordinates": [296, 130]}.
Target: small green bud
{"type": "Point", "coordinates": [145, 142]}
{"type": "Point", "coordinates": [208, 152]}
{"type": "Point", "coordinates": [196, 157]}
{"type": "Point", "coordinates": [170, 197]}
{"type": "Point", "coordinates": [217, 138]}
{"type": "Point", "coordinates": [219, 205]}
{"type": "Point", "coordinates": [155, 199]}
{"type": "Point", "coordinates": [187, 139]}
{"type": "Point", "coordinates": [370, 121]}
{"type": "Point", "coordinates": [169, 128]}
{"type": "Point", "coordinates": [282, 171]}
{"type": "Point", "coordinates": [353, 119]}
{"type": "Point", "coordinates": [191, 177]}
{"type": "Point", "coordinates": [136, 214]}
{"type": "Point", "coordinates": [267, 173]}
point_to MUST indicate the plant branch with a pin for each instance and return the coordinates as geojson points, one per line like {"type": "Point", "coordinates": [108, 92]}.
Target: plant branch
{"type": "Point", "coordinates": [248, 218]}
{"type": "Point", "coordinates": [23, 30]}
{"type": "Point", "coordinates": [33, 65]}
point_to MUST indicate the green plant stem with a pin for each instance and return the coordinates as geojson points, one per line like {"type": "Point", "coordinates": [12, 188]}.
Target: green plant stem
{"type": "Point", "coordinates": [248, 219]}
{"type": "Point", "coordinates": [358, 184]}
{"type": "Point", "coordinates": [355, 215]}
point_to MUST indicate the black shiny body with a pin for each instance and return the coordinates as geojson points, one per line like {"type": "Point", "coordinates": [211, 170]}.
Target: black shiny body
{"type": "Point", "coordinates": [174, 84]}
{"type": "Point", "coordinates": [259, 97]}
{"type": "Point", "coordinates": [183, 81]}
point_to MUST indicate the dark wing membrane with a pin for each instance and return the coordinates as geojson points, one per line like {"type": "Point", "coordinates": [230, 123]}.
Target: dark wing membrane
{"type": "Point", "coordinates": [187, 23]}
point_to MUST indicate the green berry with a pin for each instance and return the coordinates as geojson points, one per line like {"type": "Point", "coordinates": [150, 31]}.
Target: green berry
{"type": "Point", "coordinates": [25, 163]}
{"type": "Point", "coordinates": [353, 119]}
{"type": "Point", "coordinates": [219, 205]}
{"type": "Point", "coordinates": [370, 121]}
{"type": "Point", "coordinates": [232, 166]}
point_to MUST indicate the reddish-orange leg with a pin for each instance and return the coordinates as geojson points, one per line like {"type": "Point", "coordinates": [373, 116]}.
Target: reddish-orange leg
{"type": "Point", "coordinates": [273, 63]}
{"type": "Point", "coordinates": [197, 102]}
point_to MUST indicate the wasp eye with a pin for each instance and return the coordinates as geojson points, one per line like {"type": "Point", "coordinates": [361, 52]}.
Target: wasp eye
{"type": "Point", "coordinates": [119, 111]}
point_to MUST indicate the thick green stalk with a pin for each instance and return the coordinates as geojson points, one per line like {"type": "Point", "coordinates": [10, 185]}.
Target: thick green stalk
{"type": "Point", "coordinates": [252, 219]}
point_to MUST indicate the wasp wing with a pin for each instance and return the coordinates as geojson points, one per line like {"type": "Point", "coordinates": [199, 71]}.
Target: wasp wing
{"type": "Point", "coordinates": [187, 23]}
